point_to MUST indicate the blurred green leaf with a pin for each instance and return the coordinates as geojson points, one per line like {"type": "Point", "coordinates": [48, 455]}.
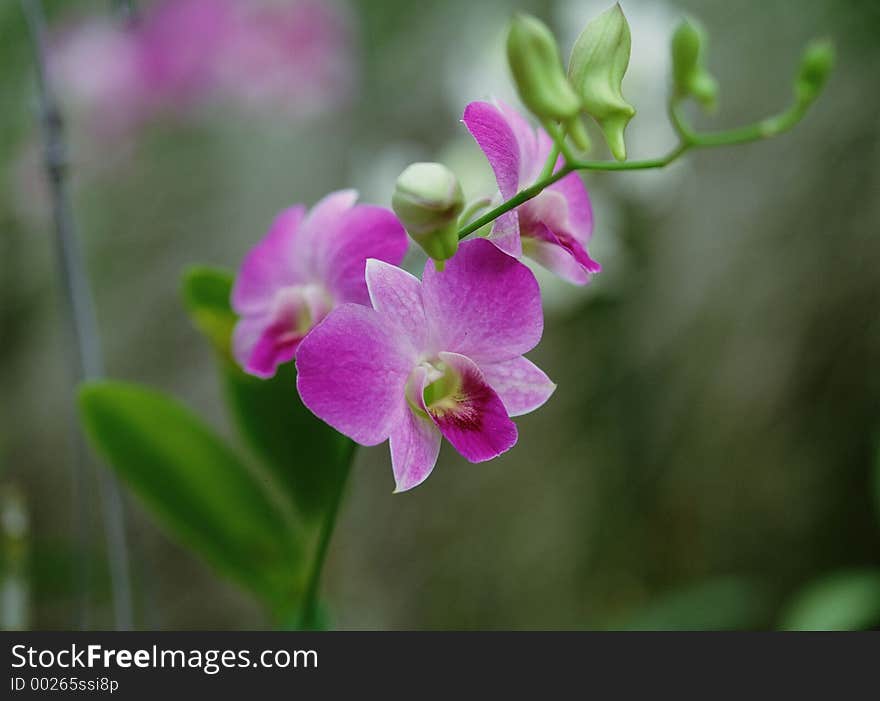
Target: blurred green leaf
{"type": "Point", "coordinates": [840, 601]}
{"type": "Point", "coordinates": [876, 485]}
{"type": "Point", "coordinates": [726, 603]}
{"type": "Point", "coordinates": [308, 459]}
{"type": "Point", "coordinates": [196, 487]}
{"type": "Point", "coordinates": [320, 618]}
{"type": "Point", "coordinates": [206, 294]}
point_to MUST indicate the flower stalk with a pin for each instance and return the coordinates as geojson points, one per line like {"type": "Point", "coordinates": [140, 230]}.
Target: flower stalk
{"type": "Point", "coordinates": [310, 611]}
{"type": "Point", "coordinates": [688, 139]}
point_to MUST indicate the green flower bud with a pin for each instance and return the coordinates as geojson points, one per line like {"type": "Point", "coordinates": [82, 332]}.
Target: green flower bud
{"type": "Point", "coordinates": [689, 74]}
{"type": "Point", "coordinates": [598, 63]}
{"type": "Point", "coordinates": [577, 132]}
{"type": "Point", "coordinates": [428, 199]}
{"type": "Point", "coordinates": [537, 70]}
{"type": "Point", "coordinates": [816, 65]}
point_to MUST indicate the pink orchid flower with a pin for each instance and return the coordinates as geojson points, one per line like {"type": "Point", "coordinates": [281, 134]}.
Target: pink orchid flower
{"type": "Point", "coordinates": [555, 227]}
{"type": "Point", "coordinates": [430, 359]}
{"type": "Point", "coordinates": [305, 266]}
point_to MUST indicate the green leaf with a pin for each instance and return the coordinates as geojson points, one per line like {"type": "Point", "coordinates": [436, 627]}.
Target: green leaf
{"type": "Point", "coordinates": [723, 603]}
{"type": "Point", "coordinates": [840, 601]}
{"type": "Point", "coordinates": [876, 486]}
{"type": "Point", "coordinates": [206, 293]}
{"type": "Point", "coordinates": [308, 459]}
{"type": "Point", "coordinates": [196, 487]}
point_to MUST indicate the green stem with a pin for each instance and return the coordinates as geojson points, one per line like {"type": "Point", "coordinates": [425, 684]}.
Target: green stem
{"type": "Point", "coordinates": [309, 615]}
{"type": "Point", "coordinates": [558, 135]}
{"type": "Point", "coordinates": [551, 161]}
{"type": "Point", "coordinates": [689, 138]}
{"type": "Point", "coordinates": [763, 129]}
{"type": "Point", "coordinates": [472, 209]}
{"type": "Point", "coordinates": [515, 201]}
{"type": "Point", "coordinates": [766, 128]}
{"type": "Point", "coordinates": [539, 186]}
{"type": "Point", "coordinates": [646, 164]}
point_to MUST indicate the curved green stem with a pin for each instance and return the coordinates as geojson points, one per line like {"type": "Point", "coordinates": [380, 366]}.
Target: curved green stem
{"type": "Point", "coordinates": [515, 201]}
{"type": "Point", "coordinates": [551, 161]}
{"type": "Point", "coordinates": [645, 164]}
{"type": "Point", "coordinates": [560, 145]}
{"type": "Point", "coordinates": [763, 129]}
{"type": "Point", "coordinates": [309, 613]}
{"type": "Point", "coordinates": [689, 138]}
{"type": "Point", "coordinates": [471, 210]}
{"type": "Point", "coordinates": [538, 187]}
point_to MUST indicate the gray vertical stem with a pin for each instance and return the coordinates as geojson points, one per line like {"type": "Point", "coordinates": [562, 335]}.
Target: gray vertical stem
{"type": "Point", "coordinates": [81, 322]}
{"type": "Point", "coordinates": [127, 9]}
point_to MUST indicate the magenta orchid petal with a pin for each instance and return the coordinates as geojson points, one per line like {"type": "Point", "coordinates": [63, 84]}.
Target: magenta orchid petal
{"type": "Point", "coordinates": [269, 265]}
{"type": "Point", "coordinates": [505, 234]}
{"type": "Point", "coordinates": [352, 374]}
{"type": "Point", "coordinates": [580, 210]}
{"type": "Point", "coordinates": [473, 418]}
{"type": "Point", "coordinates": [534, 145]}
{"type": "Point", "coordinates": [498, 141]}
{"type": "Point", "coordinates": [415, 445]}
{"type": "Point", "coordinates": [521, 385]}
{"type": "Point", "coordinates": [484, 304]}
{"type": "Point", "coordinates": [398, 295]}
{"type": "Point", "coordinates": [318, 229]}
{"type": "Point", "coordinates": [547, 219]}
{"type": "Point", "coordinates": [365, 232]}
{"type": "Point", "coordinates": [549, 254]}
{"type": "Point", "coordinates": [415, 439]}
{"type": "Point", "coordinates": [245, 337]}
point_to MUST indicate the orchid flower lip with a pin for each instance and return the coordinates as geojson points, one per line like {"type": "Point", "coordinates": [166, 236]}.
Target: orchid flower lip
{"type": "Point", "coordinates": [304, 305]}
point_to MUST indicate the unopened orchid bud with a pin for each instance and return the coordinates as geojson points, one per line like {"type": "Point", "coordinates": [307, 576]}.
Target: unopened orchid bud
{"type": "Point", "coordinates": [816, 65]}
{"type": "Point", "coordinates": [688, 70]}
{"type": "Point", "coordinates": [577, 132]}
{"type": "Point", "coordinates": [598, 63]}
{"type": "Point", "coordinates": [428, 199]}
{"type": "Point", "coordinates": [537, 70]}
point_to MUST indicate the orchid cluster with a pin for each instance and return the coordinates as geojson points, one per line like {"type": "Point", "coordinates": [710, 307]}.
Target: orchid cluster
{"type": "Point", "coordinates": [178, 56]}
{"type": "Point", "coordinates": [324, 305]}
{"type": "Point", "coordinates": [383, 355]}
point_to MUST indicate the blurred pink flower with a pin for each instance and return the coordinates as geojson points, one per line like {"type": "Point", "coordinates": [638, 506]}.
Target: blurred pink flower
{"type": "Point", "coordinates": [291, 58]}
{"type": "Point", "coordinates": [95, 66]}
{"type": "Point", "coordinates": [296, 57]}
{"type": "Point", "coordinates": [180, 44]}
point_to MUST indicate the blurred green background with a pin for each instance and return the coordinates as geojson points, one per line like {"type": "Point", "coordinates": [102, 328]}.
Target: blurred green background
{"type": "Point", "coordinates": [710, 453]}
